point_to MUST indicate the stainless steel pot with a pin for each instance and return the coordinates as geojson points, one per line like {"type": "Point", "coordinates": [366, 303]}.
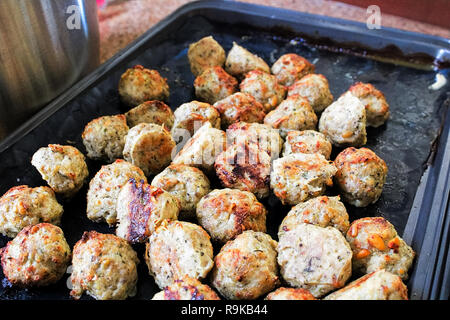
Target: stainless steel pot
{"type": "Point", "coordinates": [45, 46]}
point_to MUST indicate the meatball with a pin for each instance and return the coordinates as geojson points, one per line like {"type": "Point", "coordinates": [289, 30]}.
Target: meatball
{"type": "Point", "coordinates": [38, 256]}
{"type": "Point", "coordinates": [186, 289]}
{"type": "Point", "coordinates": [314, 87]}
{"type": "Point", "coordinates": [240, 61]}
{"type": "Point", "coordinates": [23, 206]}
{"type": "Point", "coordinates": [379, 285]}
{"type": "Point", "coordinates": [321, 211]}
{"type": "Point", "coordinates": [154, 111]}
{"type": "Point", "coordinates": [178, 249]}
{"type": "Point", "coordinates": [226, 213]}
{"type": "Point", "coordinates": [246, 267]}
{"type": "Point", "coordinates": [244, 167]}
{"type": "Point", "coordinates": [187, 184]}
{"type": "Point", "coordinates": [63, 167]}
{"type": "Point", "coordinates": [239, 107]}
{"type": "Point", "coordinates": [205, 53]}
{"type": "Point", "coordinates": [264, 87]}
{"type": "Point", "coordinates": [141, 208]}
{"type": "Point", "coordinates": [307, 141]}
{"type": "Point", "coordinates": [104, 266]}
{"type": "Point", "coordinates": [104, 137]}
{"type": "Point", "coordinates": [149, 146]}
{"type": "Point", "coordinates": [376, 245]}
{"type": "Point", "coordinates": [214, 84]}
{"type": "Point", "coordinates": [300, 176]}
{"type": "Point", "coordinates": [360, 176]}
{"type": "Point", "coordinates": [314, 258]}
{"type": "Point", "coordinates": [344, 122]}
{"type": "Point", "coordinates": [139, 84]}
{"type": "Point", "coordinates": [377, 108]}
{"type": "Point", "coordinates": [291, 67]}
{"type": "Point", "coordinates": [104, 189]}
{"type": "Point", "coordinates": [290, 294]}
{"type": "Point", "coordinates": [294, 113]}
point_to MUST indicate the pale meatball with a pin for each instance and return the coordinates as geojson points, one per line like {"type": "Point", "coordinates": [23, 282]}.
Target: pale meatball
{"type": "Point", "coordinates": [239, 107]}
{"type": "Point", "coordinates": [154, 111]}
{"type": "Point", "coordinates": [344, 122]}
{"type": "Point", "coordinates": [178, 249]}
{"type": "Point", "coordinates": [314, 87]}
{"type": "Point", "coordinates": [63, 167]}
{"type": "Point", "coordinates": [377, 108]}
{"type": "Point", "coordinates": [141, 208]}
{"type": "Point", "coordinates": [245, 167]}
{"type": "Point", "coordinates": [307, 141]}
{"type": "Point", "coordinates": [314, 258]}
{"type": "Point", "coordinates": [290, 294]}
{"type": "Point", "coordinates": [38, 256]}
{"type": "Point", "coordinates": [361, 176]}
{"type": "Point", "coordinates": [264, 87]}
{"type": "Point", "coordinates": [23, 206]}
{"type": "Point", "coordinates": [214, 84]}
{"type": "Point", "coordinates": [226, 213]}
{"type": "Point", "coordinates": [291, 67]}
{"type": "Point", "coordinates": [104, 266]}
{"type": "Point", "coordinates": [104, 137]}
{"type": "Point", "coordinates": [187, 289]}
{"type": "Point", "coordinates": [240, 61]}
{"type": "Point", "coordinates": [205, 53]}
{"type": "Point", "coordinates": [379, 285]}
{"type": "Point", "coordinates": [376, 245]}
{"type": "Point", "coordinates": [188, 184]}
{"type": "Point", "coordinates": [294, 113]}
{"type": "Point", "coordinates": [300, 176]}
{"type": "Point", "coordinates": [149, 146]}
{"type": "Point", "coordinates": [246, 267]}
{"type": "Point", "coordinates": [104, 189]}
{"type": "Point", "coordinates": [139, 84]}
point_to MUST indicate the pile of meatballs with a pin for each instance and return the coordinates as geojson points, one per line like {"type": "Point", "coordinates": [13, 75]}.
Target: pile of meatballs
{"type": "Point", "coordinates": [260, 130]}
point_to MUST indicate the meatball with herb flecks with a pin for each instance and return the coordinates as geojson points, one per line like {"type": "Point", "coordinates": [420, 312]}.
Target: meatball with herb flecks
{"type": "Point", "coordinates": [291, 67]}
{"type": "Point", "coordinates": [186, 289]}
{"type": "Point", "coordinates": [153, 111]}
{"type": "Point", "coordinates": [240, 61]}
{"type": "Point", "coordinates": [214, 84]}
{"type": "Point", "coordinates": [307, 141]}
{"type": "Point", "coordinates": [205, 53]}
{"type": "Point", "coordinates": [314, 87]}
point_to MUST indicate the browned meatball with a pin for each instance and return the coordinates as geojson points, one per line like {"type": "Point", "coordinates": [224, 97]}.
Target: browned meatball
{"type": "Point", "coordinates": [153, 111]}
{"type": "Point", "coordinates": [214, 84]}
{"type": "Point", "coordinates": [291, 67]}
{"type": "Point", "coordinates": [205, 53]}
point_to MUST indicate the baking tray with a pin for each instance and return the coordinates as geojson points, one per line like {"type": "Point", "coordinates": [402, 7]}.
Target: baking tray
{"type": "Point", "coordinates": [413, 142]}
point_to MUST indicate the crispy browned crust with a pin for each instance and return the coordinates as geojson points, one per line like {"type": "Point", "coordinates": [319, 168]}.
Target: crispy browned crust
{"type": "Point", "coordinates": [192, 286]}
{"type": "Point", "coordinates": [291, 294]}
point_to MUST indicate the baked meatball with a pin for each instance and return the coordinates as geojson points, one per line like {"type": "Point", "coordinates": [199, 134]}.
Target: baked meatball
{"type": "Point", "coordinates": [379, 285]}
{"type": "Point", "coordinates": [291, 67]}
{"type": "Point", "coordinates": [290, 294]}
{"type": "Point", "coordinates": [63, 167]}
{"type": "Point", "coordinates": [376, 245]}
{"type": "Point", "coordinates": [214, 84]}
{"type": "Point", "coordinates": [307, 141]}
{"type": "Point", "coordinates": [154, 111]}
{"type": "Point", "coordinates": [246, 267]}
{"type": "Point", "coordinates": [226, 213]}
{"type": "Point", "coordinates": [186, 289]}
{"type": "Point", "coordinates": [178, 249]}
{"type": "Point", "coordinates": [264, 87]}
{"type": "Point", "coordinates": [377, 108]}
{"type": "Point", "coordinates": [240, 61]}
{"type": "Point", "coordinates": [104, 189]}
{"type": "Point", "coordinates": [141, 208]}
{"type": "Point", "coordinates": [187, 184]}
{"type": "Point", "coordinates": [104, 266]}
{"type": "Point", "coordinates": [245, 167]}
{"type": "Point", "coordinates": [360, 176]}
{"type": "Point", "coordinates": [205, 53]}
{"type": "Point", "coordinates": [23, 206]}
{"type": "Point", "coordinates": [104, 137]}
{"type": "Point", "coordinates": [321, 211]}
{"type": "Point", "coordinates": [139, 84]}
{"type": "Point", "coordinates": [314, 258]}
{"type": "Point", "coordinates": [294, 113]}
{"type": "Point", "coordinates": [314, 87]}
{"type": "Point", "coordinates": [300, 176]}
{"type": "Point", "coordinates": [344, 122]}
{"type": "Point", "coordinates": [149, 146]}
{"type": "Point", "coordinates": [38, 256]}
{"type": "Point", "coordinates": [239, 107]}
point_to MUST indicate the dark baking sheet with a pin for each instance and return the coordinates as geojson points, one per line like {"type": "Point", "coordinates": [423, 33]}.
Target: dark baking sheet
{"type": "Point", "coordinates": [405, 142]}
